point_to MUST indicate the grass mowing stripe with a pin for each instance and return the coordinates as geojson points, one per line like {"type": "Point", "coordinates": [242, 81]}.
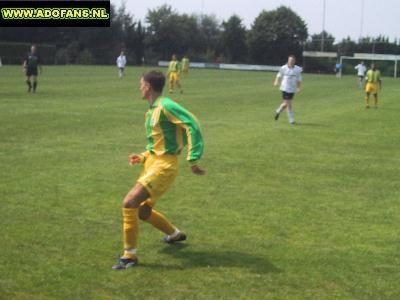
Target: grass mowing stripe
{"type": "Point", "coordinates": [303, 212]}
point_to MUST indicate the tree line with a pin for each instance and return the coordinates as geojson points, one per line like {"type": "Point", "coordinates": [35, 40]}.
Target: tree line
{"type": "Point", "coordinates": [273, 35]}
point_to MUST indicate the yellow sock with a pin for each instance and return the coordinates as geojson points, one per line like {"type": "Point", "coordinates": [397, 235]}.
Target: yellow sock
{"type": "Point", "coordinates": [131, 231]}
{"type": "Point", "coordinates": [159, 221]}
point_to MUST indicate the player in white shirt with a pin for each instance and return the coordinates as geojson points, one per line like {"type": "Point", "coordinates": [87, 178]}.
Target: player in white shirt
{"type": "Point", "coordinates": [121, 63]}
{"type": "Point", "coordinates": [361, 70]}
{"type": "Point", "coordinates": [289, 77]}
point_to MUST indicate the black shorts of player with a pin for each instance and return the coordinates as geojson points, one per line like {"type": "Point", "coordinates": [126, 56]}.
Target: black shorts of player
{"type": "Point", "coordinates": [31, 72]}
{"type": "Point", "coordinates": [287, 96]}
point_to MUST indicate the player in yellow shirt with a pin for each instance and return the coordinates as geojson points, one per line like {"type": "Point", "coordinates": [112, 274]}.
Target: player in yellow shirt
{"type": "Point", "coordinates": [185, 65]}
{"type": "Point", "coordinates": [169, 128]}
{"type": "Point", "coordinates": [174, 71]}
{"type": "Point", "coordinates": [373, 85]}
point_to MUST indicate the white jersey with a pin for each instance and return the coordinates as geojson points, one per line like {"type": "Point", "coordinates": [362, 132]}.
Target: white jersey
{"type": "Point", "coordinates": [121, 61]}
{"type": "Point", "coordinates": [361, 69]}
{"type": "Point", "coordinates": [290, 78]}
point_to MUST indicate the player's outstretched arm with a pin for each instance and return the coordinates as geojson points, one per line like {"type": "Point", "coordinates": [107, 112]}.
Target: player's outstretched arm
{"type": "Point", "coordinates": [276, 82]}
{"type": "Point", "coordinates": [179, 116]}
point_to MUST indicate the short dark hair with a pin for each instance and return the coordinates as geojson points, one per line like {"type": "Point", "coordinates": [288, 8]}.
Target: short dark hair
{"type": "Point", "coordinates": [291, 55]}
{"type": "Point", "coordinates": [156, 79]}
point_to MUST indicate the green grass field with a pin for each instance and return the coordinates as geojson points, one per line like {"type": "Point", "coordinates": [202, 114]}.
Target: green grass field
{"type": "Point", "coordinates": [285, 212]}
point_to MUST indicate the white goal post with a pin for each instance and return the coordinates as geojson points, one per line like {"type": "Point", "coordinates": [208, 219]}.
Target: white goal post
{"type": "Point", "coordinates": [373, 57]}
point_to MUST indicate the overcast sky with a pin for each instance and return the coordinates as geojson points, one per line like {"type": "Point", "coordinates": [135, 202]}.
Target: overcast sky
{"type": "Point", "coordinates": [343, 17]}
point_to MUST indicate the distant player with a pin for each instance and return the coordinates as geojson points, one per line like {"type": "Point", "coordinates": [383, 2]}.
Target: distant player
{"type": "Point", "coordinates": [32, 67]}
{"type": "Point", "coordinates": [361, 69]}
{"type": "Point", "coordinates": [169, 127]}
{"type": "Point", "coordinates": [338, 69]}
{"type": "Point", "coordinates": [121, 63]}
{"type": "Point", "coordinates": [373, 85]}
{"type": "Point", "coordinates": [185, 65]}
{"type": "Point", "coordinates": [174, 70]}
{"type": "Point", "coordinates": [289, 77]}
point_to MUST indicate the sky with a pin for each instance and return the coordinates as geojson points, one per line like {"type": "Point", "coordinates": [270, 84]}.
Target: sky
{"type": "Point", "coordinates": [343, 18]}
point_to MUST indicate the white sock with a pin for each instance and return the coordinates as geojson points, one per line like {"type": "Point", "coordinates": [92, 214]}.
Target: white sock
{"type": "Point", "coordinates": [175, 234]}
{"type": "Point", "coordinates": [291, 116]}
{"type": "Point", "coordinates": [131, 251]}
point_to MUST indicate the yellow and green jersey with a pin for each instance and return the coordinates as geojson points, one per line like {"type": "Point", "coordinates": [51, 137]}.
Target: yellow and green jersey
{"type": "Point", "coordinates": [170, 127]}
{"type": "Point", "coordinates": [174, 66]}
{"type": "Point", "coordinates": [185, 63]}
{"type": "Point", "coordinates": [373, 76]}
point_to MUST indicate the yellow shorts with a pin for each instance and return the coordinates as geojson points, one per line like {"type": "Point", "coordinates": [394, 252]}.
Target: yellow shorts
{"type": "Point", "coordinates": [157, 175]}
{"type": "Point", "coordinates": [371, 88]}
{"type": "Point", "coordinates": [173, 76]}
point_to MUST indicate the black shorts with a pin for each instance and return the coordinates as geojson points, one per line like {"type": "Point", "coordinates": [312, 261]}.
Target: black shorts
{"type": "Point", "coordinates": [287, 96]}
{"type": "Point", "coordinates": [31, 72]}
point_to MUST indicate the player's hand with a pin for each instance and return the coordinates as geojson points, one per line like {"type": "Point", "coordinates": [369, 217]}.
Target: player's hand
{"type": "Point", "coordinates": [197, 170]}
{"type": "Point", "coordinates": [135, 159]}
{"type": "Point", "coordinates": [298, 90]}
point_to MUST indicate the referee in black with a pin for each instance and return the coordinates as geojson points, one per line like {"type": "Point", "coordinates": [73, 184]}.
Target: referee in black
{"type": "Point", "coordinates": [32, 67]}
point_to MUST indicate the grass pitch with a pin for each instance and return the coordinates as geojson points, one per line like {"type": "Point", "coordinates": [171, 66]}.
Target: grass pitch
{"type": "Point", "coordinates": [285, 212]}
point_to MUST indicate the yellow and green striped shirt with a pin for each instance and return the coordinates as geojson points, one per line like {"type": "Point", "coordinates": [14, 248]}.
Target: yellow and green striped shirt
{"type": "Point", "coordinates": [373, 76]}
{"type": "Point", "coordinates": [174, 66]}
{"type": "Point", "coordinates": [170, 127]}
{"type": "Point", "coordinates": [185, 63]}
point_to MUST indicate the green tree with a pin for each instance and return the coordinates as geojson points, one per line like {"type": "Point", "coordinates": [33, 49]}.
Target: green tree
{"type": "Point", "coordinates": [170, 33]}
{"type": "Point", "coordinates": [321, 40]}
{"type": "Point", "coordinates": [276, 34]}
{"type": "Point", "coordinates": [208, 38]}
{"type": "Point", "coordinates": [139, 42]}
{"type": "Point", "coordinates": [233, 40]}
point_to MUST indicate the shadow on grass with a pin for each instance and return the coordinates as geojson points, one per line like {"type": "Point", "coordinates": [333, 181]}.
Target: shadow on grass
{"type": "Point", "coordinates": [311, 124]}
{"type": "Point", "coordinates": [215, 259]}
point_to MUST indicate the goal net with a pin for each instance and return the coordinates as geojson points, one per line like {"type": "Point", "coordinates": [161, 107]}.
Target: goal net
{"type": "Point", "coordinates": [319, 62]}
{"type": "Point", "coordinates": [386, 63]}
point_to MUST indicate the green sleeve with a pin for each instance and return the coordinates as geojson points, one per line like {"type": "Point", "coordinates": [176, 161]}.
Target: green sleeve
{"type": "Point", "coordinates": [186, 120]}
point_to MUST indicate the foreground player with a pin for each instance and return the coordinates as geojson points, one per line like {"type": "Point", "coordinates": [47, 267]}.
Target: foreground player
{"type": "Point", "coordinates": [174, 70]}
{"type": "Point", "coordinates": [169, 127]}
{"type": "Point", "coordinates": [32, 68]}
{"type": "Point", "coordinates": [373, 85]}
{"type": "Point", "coordinates": [290, 77]}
